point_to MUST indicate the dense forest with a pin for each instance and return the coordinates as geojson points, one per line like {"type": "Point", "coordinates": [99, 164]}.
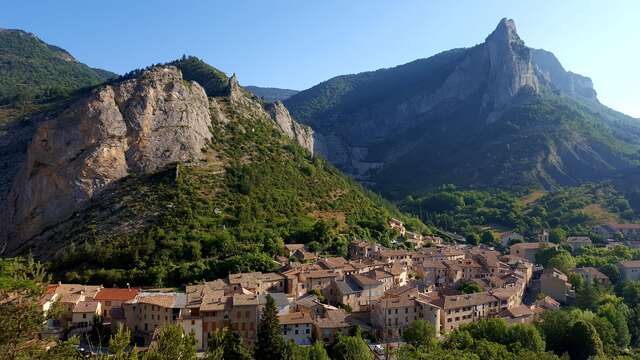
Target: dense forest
{"type": "Point", "coordinates": [569, 210]}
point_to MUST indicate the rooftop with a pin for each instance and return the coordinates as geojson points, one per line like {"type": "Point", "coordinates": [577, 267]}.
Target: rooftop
{"type": "Point", "coordinates": [295, 318]}
{"type": "Point", "coordinates": [116, 294]}
{"type": "Point", "coordinates": [90, 306]}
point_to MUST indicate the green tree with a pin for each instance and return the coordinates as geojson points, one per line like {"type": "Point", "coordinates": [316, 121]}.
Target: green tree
{"type": "Point", "coordinates": [494, 330]}
{"type": "Point", "coordinates": [172, 344]}
{"type": "Point", "coordinates": [545, 254]}
{"type": "Point", "coordinates": [226, 344]}
{"type": "Point", "coordinates": [270, 345]}
{"type": "Point", "coordinates": [488, 238]}
{"type": "Point", "coordinates": [617, 316]}
{"type": "Point", "coordinates": [562, 261]}
{"type": "Point", "coordinates": [21, 286]}
{"type": "Point", "coordinates": [351, 348]}
{"type": "Point", "coordinates": [459, 339]}
{"type": "Point", "coordinates": [584, 341]}
{"type": "Point", "coordinates": [469, 287]}
{"type": "Point", "coordinates": [420, 333]}
{"type": "Point", "coordinates": [318, 352]}
{"type": "Point", "coordinates": [557, 235]}
{"type": "Point", "coordinates": [487, 350]}
{"type": "Point", "coordinates": [555, 326]}
{"type": "Point", "coordinates": [588, 296]}
{"type": "Point", "coordinates": [525, 337]}
{"type": "Point", "coordinates": [119, 344]}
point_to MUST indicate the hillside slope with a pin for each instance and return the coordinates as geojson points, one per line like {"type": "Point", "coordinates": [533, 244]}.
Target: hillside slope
{"type": "Point", "coordinates": [230, 207]}
{"type": "Point", "coordinates": [32, 68]}
{"type": "Point", "coordinates": [498, 114]}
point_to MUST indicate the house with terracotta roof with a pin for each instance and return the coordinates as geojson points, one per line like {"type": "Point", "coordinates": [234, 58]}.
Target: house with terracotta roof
{"type": "Point", "coordinates": [578, 242]}
{"type": "Point", "coordinates": [593, 275]}
{"type": "Point", "coordinates": [555, 283]}
{"type": "Point", "coordinates": [328, 327]}
{"type": "Point", "coordinates": [112, 299]}
{"type": "Point", "coordinates": [289, 249]}
{"type": "Point", "coordinates": [356, 291]}
{"type": "Point", "coordinates": [520, 314]}
{"type": "Point", "coordinates": [297, 327]}
{"type": "Point", "coordinates": [397, 225]}
{"type": "Point", "coordinates": [391, 256]}
{"type": "Point", "coordinates": [627, 231]}
{"type": "Point", "coordinates": [399, 273]}
{"type": "Point", "coordinates": [391, 315]}
{"type": "Point", "coordinates": [149, 311]}
{"type": "Point", "coordinates": [84, 312]}
{"type": "Point", "coordinates": [528, 250]}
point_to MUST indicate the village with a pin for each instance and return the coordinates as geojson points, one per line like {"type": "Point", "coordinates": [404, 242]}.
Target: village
{"type": "Point", "coordinates": [378, 289]}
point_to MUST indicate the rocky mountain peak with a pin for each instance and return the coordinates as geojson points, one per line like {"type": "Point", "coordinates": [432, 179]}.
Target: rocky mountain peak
{"type": "Point", "coordinates": [505, 33]}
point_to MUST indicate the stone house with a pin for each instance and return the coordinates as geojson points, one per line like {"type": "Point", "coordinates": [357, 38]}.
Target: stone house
{"type": "Point", "coordinates": [591, 274]}
{"type": "Point", "coordinates": [297, 327]}
{"type": "Point", "coordinates": [84, 312]}
{"type": "Point", "coordinates": [630, 270]}
{"type": "Point", "coordinates": [555, 283]}
{"type": "Point", "coordinates": [112, 299]}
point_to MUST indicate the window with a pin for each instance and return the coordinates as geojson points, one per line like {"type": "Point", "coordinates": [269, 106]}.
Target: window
{"type": "Point", "coordinates": [107, 303]}
{"type": "Point", "coordinates": [84, 316]}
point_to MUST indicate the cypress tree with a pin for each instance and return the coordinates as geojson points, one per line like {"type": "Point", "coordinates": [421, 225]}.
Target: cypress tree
{"type": "Point", "coordinates": [270, 345]}
{"type": "Point", "coordinates": [584, 341]}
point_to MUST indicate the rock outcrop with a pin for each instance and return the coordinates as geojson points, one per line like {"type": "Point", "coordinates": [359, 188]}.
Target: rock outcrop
{"type": "Point", "coordinates": [477, 116]}
{"type": "Point", "coordinates": [302, 134]}
{"type": "Point", "coordinates": [131, 127]}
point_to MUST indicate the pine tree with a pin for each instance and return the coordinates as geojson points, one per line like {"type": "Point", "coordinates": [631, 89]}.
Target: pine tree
{"type": "Point", "coordinates": [270, 345]}
{"type": "Point", "coordinates": [173, 344]}
{"type": "Point", "coordinates": [119, 342]}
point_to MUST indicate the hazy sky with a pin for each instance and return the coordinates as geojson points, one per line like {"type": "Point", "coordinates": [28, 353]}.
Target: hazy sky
{"type": "Point", "coordinates": [296, 44]}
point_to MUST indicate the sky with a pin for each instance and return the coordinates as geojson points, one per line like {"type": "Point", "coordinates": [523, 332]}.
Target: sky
{"type": "Point", "coordinates": [297, 44]}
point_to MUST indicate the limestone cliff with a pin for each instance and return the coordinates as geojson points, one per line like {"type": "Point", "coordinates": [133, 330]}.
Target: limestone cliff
{"type": "Point", "coordinates": [477, 116]}
{"type": "Point", "coordinates": [130, 127]}
{"type": "Point", "coordinates": [302, 134]}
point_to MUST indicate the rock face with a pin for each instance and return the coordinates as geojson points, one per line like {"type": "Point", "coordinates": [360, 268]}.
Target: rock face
{"type": "Point", "coordinates": [302, 134]}
{"type": "Point", "coordinates": [135, 126]}
{"type": "Point", "coordinates": [464, 116]}
{"type": "Point", "coordinates": [553, 73]}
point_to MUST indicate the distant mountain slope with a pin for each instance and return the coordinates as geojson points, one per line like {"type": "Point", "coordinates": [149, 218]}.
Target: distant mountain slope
{"type": "Point", "coordinates": [152, 210]}
{"type": "Point", "coordinates": [31, 67]}
{"type": "Point", "coordinates": [271, 94]}
{"type": "Point", "coordinates": [496, 114]}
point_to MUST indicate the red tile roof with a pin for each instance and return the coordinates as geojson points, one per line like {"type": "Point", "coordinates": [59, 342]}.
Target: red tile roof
{"type": "Point", "coordinates": [116, 294]}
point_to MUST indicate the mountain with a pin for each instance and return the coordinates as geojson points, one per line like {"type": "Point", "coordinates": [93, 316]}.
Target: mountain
{"type": "Point", "coordinates": [159, 178]}
{"type": "Point", "coordinates": [271, 94]}
{"type": "Point", "coordinates": [30, 67]}
{"type": "Point", "coordinates": [498, 114]}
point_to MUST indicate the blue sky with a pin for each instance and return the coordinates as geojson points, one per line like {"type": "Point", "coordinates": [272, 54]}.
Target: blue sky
{"type": "Point", "coordinates": [296, 44]}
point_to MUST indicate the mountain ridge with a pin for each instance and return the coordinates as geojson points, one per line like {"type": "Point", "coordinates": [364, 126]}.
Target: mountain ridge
{"type": "Point", "coordinates": [32, 68]}
{"type": "Point", "coordinates": [423, 113]}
